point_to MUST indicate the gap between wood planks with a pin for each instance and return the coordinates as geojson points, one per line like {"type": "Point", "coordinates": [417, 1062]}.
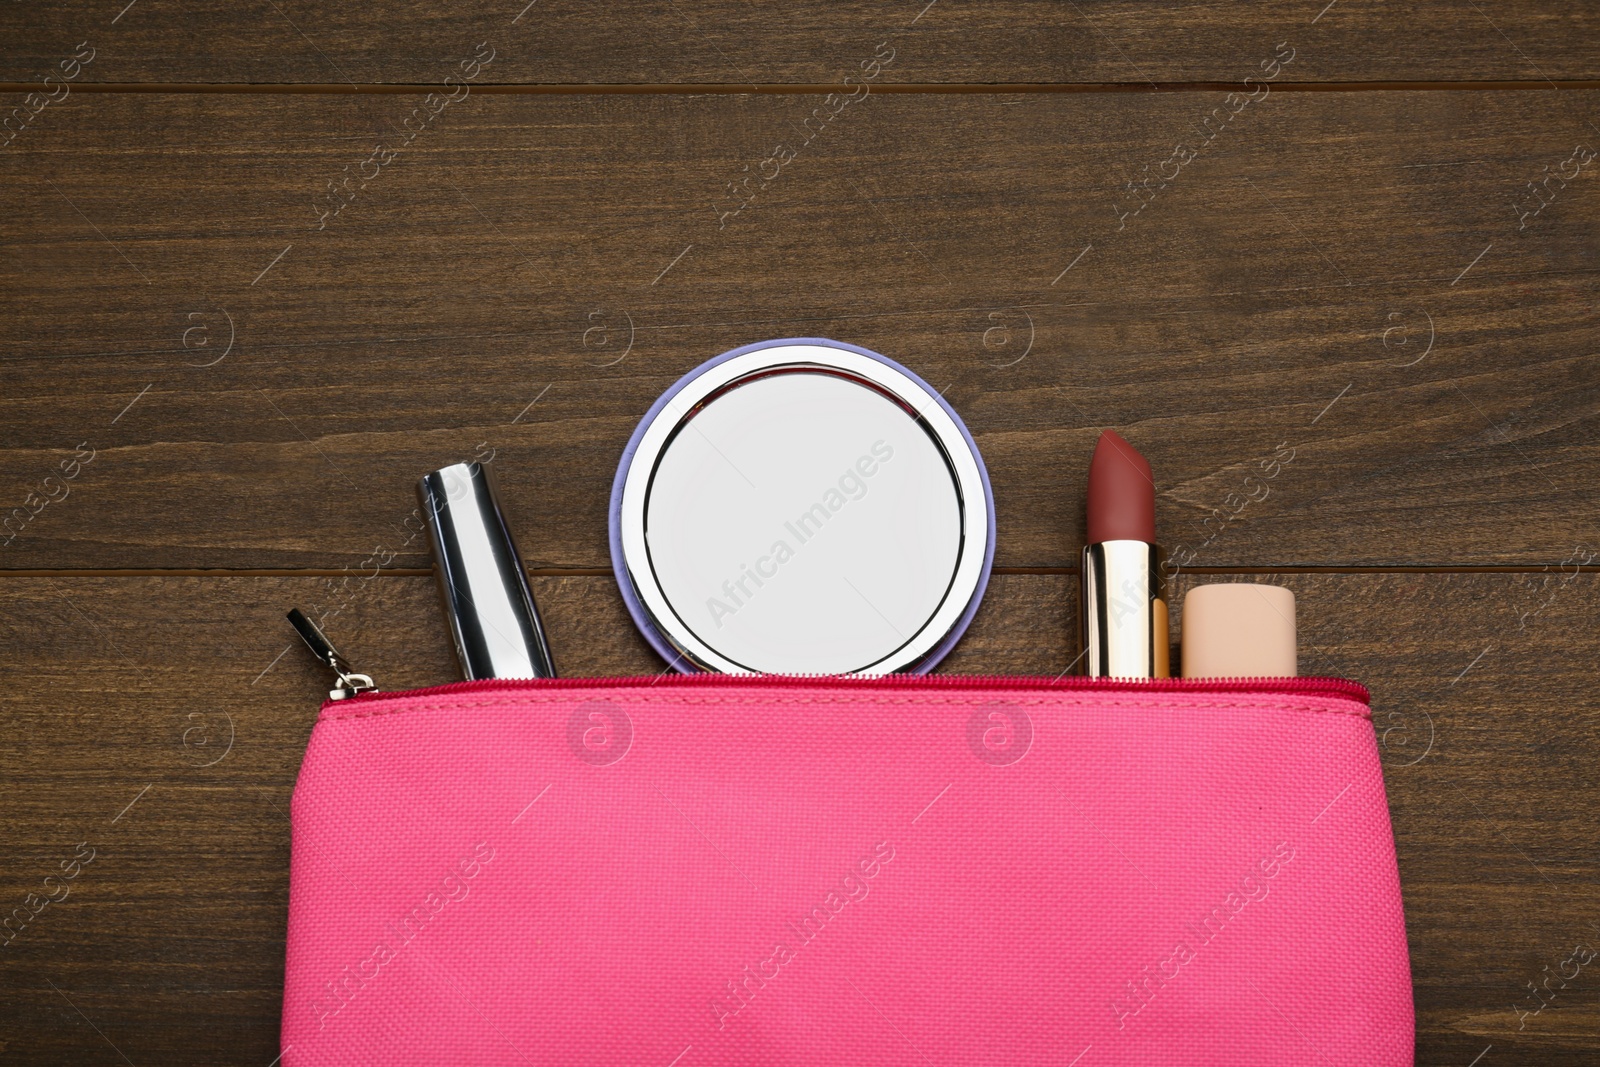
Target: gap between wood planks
{"type": "Point", "coordinates": [796, 89]}
{"type": "Point", "coordinates": [607, 572]}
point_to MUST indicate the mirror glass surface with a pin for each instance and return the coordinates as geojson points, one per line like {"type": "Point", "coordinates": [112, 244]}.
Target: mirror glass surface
{"type": "Point", "coordinates": [803, 522]}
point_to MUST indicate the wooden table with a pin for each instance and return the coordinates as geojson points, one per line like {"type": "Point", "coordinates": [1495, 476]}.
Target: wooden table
{"type": "Point", "coordinates": [1332, 268]}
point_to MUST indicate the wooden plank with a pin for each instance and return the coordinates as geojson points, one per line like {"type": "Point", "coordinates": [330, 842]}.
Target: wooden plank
{"type": "Point", "coordinates": [171, 941]}
{"type": "Point", "coordinates": [718, 41]}
{"type": "Point", "coordinates": [1336, 278]}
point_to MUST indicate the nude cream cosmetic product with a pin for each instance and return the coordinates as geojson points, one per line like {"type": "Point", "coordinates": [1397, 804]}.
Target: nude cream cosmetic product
{"type": "Point", "coordinates": [1239, 630]}
{"type": "Point", "coordinates": [487, 602]}
{"type": "Point", "coordinates": [1124, 607]}
{"type": "Point", "coordinates": [802, 506]}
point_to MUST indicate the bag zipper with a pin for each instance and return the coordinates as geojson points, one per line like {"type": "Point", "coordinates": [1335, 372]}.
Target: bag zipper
{"type": "Point", "coordinates": [350, 684]}
{"type": "Point", "coordinates": [1318, 686]}
{"type": "Point", "coordinates": [360, 687]}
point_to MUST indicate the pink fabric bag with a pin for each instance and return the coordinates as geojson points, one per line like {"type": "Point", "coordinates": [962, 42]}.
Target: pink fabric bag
{"type": "Point", "coordinates": [912, 871]}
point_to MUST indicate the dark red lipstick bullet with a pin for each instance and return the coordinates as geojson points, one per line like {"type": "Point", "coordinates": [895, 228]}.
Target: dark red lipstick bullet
{"type": "Point", "coordinates": [1122, 493]}
{"type": "Point", "coordinates": [1124, 612]}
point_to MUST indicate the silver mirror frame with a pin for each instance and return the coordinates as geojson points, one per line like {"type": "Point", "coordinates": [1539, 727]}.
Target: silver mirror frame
{"type": "Point", "coordinates": [656, 616]}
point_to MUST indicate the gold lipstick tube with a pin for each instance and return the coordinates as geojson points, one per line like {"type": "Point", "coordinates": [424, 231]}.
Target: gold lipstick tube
{"type": "Point", "coordinates": [1124, 611]}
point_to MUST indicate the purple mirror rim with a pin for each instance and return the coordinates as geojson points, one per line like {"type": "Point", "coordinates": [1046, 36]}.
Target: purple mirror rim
{"type": "Point", "coordinates": [619, 566]}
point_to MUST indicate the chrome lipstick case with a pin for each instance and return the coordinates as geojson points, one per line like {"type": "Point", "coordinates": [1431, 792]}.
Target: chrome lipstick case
{"type": "Point", "coordinates": [487, 602]}
{"type": "Point", "coordinates": [1124, 613]}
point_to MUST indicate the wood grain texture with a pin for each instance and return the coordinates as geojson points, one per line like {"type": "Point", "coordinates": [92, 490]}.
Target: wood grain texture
{"type": "Point", "coordinates": [719, 41]}
{"type": "Point", "coordinates": [171, 941]}
{"type": "Point", "coordinates": [1341, 277]}
{"type": "Point", "coordinates": [1355, 330]}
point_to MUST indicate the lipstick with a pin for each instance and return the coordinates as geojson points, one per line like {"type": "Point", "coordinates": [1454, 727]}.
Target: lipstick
{"type": "Point", "coordinates": [1124, 612]}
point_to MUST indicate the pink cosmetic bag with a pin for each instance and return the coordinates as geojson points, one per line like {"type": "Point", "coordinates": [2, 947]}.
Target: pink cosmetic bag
{"type": "Point", "coordinates": [913, 871]}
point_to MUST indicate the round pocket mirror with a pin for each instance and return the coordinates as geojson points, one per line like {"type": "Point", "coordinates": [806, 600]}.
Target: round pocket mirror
{"type": "Point", "coordinates": [802, 507]}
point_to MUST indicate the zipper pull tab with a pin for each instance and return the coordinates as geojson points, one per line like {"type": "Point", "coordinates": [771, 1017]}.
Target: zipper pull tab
{"type": "Point", "coordinates": [350, 683]}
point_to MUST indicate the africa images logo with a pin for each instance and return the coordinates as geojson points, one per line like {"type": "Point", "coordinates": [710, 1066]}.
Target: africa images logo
{"type": "Point", "coordinates": [851, 485]}
{"type": "Point", "coordinates": [854, 885]}
{"type": "Point", "coordinates": [599, 733]}
{"type": "Point", "coordinates": [999, 733]}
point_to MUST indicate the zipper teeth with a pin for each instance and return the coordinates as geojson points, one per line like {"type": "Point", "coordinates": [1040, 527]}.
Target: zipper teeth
{"type": "Point", "coordinates": [1317, 686]}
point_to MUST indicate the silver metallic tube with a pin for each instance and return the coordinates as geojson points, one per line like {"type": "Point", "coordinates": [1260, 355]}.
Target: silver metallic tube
{"type": "Point", "coordinates": [487, 602]}
{"type": "Point", "coordinates": [1124, 612]}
